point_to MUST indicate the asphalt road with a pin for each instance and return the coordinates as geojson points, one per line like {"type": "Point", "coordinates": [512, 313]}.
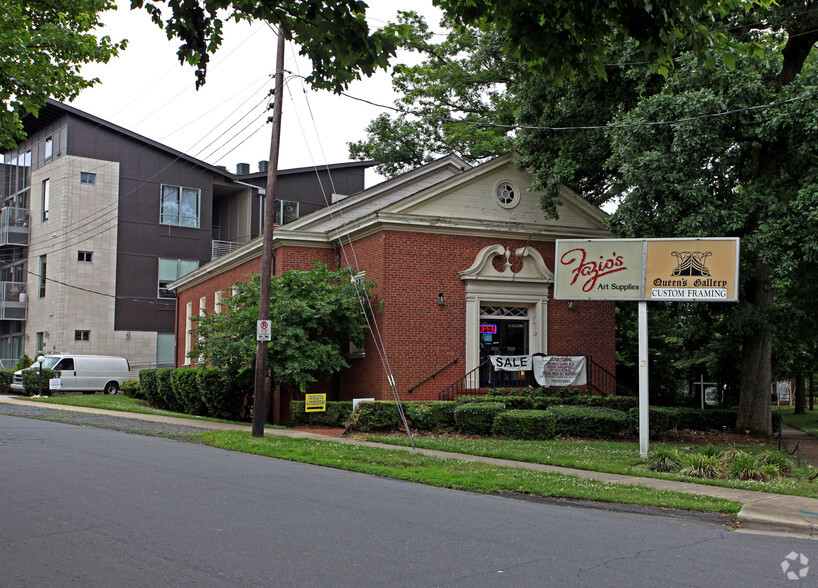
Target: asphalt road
{"type": "Point", "coordinates": [84, 506]}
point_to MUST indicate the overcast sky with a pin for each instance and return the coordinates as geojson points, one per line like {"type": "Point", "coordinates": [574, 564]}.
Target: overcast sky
{"type": "Point", "coordinates": [147, 91]}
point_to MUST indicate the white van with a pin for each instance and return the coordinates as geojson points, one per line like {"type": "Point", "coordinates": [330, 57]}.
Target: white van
{"type": "Point", "coordinates": [83, 373]}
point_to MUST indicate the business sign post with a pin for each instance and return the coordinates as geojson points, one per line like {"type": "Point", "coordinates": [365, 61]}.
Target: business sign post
{"type": "Point", "coordinates": [677, 270]}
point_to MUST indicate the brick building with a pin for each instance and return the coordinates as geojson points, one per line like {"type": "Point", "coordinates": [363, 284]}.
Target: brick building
{"type": "Point", "coordinates": [452, 248]}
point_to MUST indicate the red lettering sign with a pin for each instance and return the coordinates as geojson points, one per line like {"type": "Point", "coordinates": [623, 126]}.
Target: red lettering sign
{"type": "Point", "coordinates": [593, 270]}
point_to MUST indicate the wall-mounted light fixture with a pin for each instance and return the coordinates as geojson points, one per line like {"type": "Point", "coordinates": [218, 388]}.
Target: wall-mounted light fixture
{"type": "Point", "coordinates": [441, 299]}
{"type": "Point", "coordinates": [570, 305]}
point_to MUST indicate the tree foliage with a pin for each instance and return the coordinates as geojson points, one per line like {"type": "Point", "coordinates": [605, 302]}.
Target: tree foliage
{"type": "Point", "coordinates": [700, 141]}
{"type": "Point", "coordinates": [569, 39]}
{"type": "Point", "coordinates": [314, 314]}
{"type": "Point", "coordinates": [44, 44]}
{"type": "Point", "coordinates": [332, 33]}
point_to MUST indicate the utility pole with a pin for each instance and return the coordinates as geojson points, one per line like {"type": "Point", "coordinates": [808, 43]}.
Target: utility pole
{"type": "Point", "coordinates": [261, 381]}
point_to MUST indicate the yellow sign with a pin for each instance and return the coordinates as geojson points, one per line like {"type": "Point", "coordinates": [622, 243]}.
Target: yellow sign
{"type": "Point", "coordinates": [688, 270]}
{"type": "Point", "coordinates": [315, 403]}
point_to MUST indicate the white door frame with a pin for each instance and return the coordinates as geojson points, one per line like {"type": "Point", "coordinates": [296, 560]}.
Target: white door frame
{"type": "Point", "coordinates": [486, 286]}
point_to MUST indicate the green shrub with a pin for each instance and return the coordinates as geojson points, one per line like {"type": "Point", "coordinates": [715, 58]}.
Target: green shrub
{"type": "Point", "coordinates": [185, 383]}
{"type": "Point", "coordinates": [731, 453]}
{"type": "Point", "coordinates": [781, 461]}
{"type": "Point", "coordinates": [224, 395]}
{"type": "Point", "coordinates": [664, 459]}
{"type": "Point", "coordinates": [132, 389]}
{"type": "Point", "coordinates": [698, 465]}
{"type": "Point", "coordinates": [6, 378]}
{"type": "Point", "coordinates": [377, 416]}
{"type": "Point", "coordinates": [477, 418]}
{"type": "Point", "coordinates": [623, 403]}
{"type": "Point", "coordinates": [471, 398]}
{"type": "Point", "coordinates": [593, 423]}
{"type": "Point", "coordinates": [430, 416]}
{"type": "Point", "coordinates": [513, 402]}
{"type": "Point", "coordinates": [167, 398]}
{"type": "Point", "coordinates": [530, 392]}
{"type": "Point", "coordinates": [524, 424]}
{"type": "Point", "coordinates": [546, 402]}
{"type": "Point", "coordinates": [336, 415]}
{"type": "Point", "coordinates": [147, 383]}
{"type": "Point", "coordinates": [747, 467]}
{"type": "Point", "coordinates": [22, 363]}
{"type": "Point", "coordinates": [31, 381]}
{"type": "Point", "coordinates": [570, 394]}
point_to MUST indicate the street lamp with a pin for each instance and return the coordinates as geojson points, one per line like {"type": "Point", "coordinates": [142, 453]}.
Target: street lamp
{"type": "Point", "coordinates": [40, 360]}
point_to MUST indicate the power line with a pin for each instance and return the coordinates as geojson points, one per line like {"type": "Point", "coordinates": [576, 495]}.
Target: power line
{"type": "Point", "coordinates": [516, 127]}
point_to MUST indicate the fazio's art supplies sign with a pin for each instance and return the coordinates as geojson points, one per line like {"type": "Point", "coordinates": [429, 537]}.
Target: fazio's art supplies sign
{"type": "Point", "coordinates": [683, 270]}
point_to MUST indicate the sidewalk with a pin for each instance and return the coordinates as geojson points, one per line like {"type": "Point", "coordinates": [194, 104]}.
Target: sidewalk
{"type": "Point", "coordinates": [763, 512]}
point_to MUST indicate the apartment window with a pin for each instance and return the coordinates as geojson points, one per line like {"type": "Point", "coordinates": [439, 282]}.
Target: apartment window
{"type": "Point", "coordinates": [180, 206]}
{"type": "Point", "coordinates": [217, 301]}
{"type": "Point", "coordinates": [42, 275]}
{"type": "Point", "coordinates": [171, 270]}
{"type": "Point", "coordinates": [286, 211]}
{"type": "Point", "coordinates": [46, 197]}
{"type": "Point", "coordinates": [84, 256]}
{"type": "Point", "coordinates": [82, 335]}
{"type": "Point", "coordinates": [49, 147]}
{"type": "Point", "coordinates": [40, 342]}
{"type": "Point", "coordinates": [88, 178]}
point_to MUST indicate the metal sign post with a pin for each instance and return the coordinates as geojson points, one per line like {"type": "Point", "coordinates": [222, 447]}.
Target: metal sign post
{"type": "Point", "coordinates": [674, 270]}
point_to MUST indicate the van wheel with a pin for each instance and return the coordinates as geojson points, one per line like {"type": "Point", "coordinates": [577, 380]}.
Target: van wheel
{"type": "Point", "coordinates": [111, 388]}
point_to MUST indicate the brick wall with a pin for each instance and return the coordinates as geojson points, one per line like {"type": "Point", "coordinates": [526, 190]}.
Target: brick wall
{"type": "Point", "coordinates": [418, 335]}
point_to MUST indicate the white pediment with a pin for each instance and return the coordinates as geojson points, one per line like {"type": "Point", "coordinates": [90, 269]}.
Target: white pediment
{"type": "Point", "coordinates": [473, 197]}
{"type": "Point", "coordinates": [532, 269]}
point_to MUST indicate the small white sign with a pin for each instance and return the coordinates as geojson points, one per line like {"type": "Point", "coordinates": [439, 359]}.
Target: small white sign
{"type": "Point", "coordinates": [54, 384]}
{"type": "Point", "coordinates": [264, 331]}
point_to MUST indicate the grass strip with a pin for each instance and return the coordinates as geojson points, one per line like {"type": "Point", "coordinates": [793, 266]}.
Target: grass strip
{"type": "Point", "coordinates": [614, 457]}
{"type": "Point", "coordinates": [457, 474]}
{"type": "Point", "coordinates": [122, 403]}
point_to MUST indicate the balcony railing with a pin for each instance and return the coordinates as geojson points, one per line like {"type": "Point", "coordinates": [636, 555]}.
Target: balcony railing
{"type": "Point", "coordinates": [13, 301]}
{"type": "Point", "coordinates": [220, 248]}
{"type": "Point", "coordinates": [15, 226]}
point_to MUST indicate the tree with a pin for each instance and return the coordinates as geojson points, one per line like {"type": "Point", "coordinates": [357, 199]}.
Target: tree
{"type": "Point", "coordinates": [44, 44]}
{"type": "Point", "coordinates": [752, 173]}
{"type": "Point", "coordinates": [332, 33]}
{"type": "Point", "coordinates": [314, 314]}
{"type": "Point", "coordinates": [570, 39]}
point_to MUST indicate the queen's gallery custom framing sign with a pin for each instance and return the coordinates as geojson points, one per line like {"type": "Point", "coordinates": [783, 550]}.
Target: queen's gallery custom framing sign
{"type": "Point", "coordinates": [682, 270]}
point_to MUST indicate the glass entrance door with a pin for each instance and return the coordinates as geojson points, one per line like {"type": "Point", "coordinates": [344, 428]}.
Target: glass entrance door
{"type": "Point", "coordinates": [503, 335]}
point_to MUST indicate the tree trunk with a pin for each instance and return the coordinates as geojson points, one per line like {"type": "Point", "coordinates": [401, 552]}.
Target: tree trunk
{"type": "Point", "coordinates": [811, 392]}
{"type": "Point", "coordinates": [754, 408]}
{"type": "Point", "coordinates": [800, 393]}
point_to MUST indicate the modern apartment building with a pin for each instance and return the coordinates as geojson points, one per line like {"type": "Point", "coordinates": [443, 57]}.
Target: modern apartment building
{"type": "Point", "coordinates": [96, 220]}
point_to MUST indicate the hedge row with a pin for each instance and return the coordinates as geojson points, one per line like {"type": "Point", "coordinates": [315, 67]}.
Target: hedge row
{"type": "Point", "coordinates": [537, 402]}
{"type": "Point", "coordinates": [202, 391]}
{"type": "Point", "coordinates": [513, 418]}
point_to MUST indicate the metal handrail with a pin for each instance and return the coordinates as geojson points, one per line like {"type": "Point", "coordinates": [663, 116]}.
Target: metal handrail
{"type": "Point", "coordinates": [456, 388]}
{"type": "Point", "coordinates": [600, 379]}
{"type": "Point", "coordinates": [432, 377]}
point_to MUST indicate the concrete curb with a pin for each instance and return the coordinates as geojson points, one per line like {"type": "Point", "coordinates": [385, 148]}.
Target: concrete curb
{"type": "Point", "coordinates": [761, 511]}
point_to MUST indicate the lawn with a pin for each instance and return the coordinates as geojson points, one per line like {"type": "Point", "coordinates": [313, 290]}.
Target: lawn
{"type": "Point", "coordinates": [803, 422]}
{"type": "Point", "coordinates": [457, 474]}
{"type": "Point", "coordinates": [602, 456]}
{"type": "Point", "coordinates": [613, 457]}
